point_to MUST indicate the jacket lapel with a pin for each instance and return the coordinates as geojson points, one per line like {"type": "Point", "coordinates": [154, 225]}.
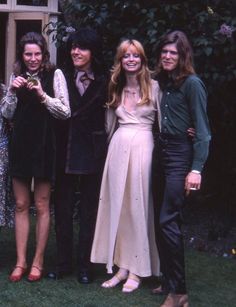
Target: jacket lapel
{"type": "Point", "coordinates": [90, 96]}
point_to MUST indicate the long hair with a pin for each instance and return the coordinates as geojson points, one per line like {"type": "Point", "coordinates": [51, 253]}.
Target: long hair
{"type": "Point", "coordinates": [185, 63]}
{"type": "Point", "coordinates": [118, 79]}
{"type": "Point", "coordinates": [86, 38]}
{"type": "Point", "coordinates": [31, 38]}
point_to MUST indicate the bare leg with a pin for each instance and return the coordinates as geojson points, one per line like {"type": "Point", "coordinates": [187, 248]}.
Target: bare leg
{"type": "Point", "coordinates": [21, 189]}
{"type": "Point", "coordinates": [42, 198]}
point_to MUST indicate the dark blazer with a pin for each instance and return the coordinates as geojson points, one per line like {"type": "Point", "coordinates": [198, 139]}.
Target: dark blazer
{"type": "Point", "coordinates": [82, 139]}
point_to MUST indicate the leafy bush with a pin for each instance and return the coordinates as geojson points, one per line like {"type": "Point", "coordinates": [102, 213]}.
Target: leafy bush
{"type": "Point", "coordinates": [209, 25]}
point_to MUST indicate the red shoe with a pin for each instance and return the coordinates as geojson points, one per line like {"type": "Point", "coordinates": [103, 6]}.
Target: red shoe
{"type": "Point", "coordinates": [32, 277]}
{"type": "Point", "coordinates": [17, 277]}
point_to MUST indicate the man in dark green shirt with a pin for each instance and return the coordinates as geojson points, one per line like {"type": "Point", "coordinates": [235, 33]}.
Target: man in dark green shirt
{"type": "Point", "coordinates": [183, 107]}
{"type": "Point", "coordinates": [178, 158]}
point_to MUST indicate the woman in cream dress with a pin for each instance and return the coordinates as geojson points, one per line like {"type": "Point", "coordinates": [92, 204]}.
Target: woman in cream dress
{"type": "Point", "coordinates": [124, 234]}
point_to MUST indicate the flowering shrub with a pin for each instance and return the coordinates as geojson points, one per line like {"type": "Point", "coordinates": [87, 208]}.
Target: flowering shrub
{"type": "Point", "coordinates": [226, 30]}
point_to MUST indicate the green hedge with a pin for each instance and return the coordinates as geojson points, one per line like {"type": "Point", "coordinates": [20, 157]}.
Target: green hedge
{"type": "Point", "coordinates": [209, 25]}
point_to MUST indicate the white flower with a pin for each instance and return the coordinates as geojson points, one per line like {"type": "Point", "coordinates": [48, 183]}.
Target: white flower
{"type": "Point", "coordinates": [70, 29]}
{"type": "Point", "coordinates": [226, 30]}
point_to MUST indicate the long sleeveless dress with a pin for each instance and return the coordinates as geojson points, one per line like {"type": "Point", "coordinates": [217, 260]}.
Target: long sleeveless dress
{"type": "Point", "coordinates": [124, 233]}
{"type": "Point", "coordinates": [32, 146]}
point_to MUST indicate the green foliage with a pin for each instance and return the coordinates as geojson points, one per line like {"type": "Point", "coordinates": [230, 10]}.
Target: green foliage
{"type": "Point", "coordinates": [210, 26]}
{"type": "Point", "coordinates": [201, 20]}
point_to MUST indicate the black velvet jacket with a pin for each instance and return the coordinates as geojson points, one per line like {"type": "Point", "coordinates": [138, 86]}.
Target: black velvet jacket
{"type": "Point", "coordinates": [82, 139]}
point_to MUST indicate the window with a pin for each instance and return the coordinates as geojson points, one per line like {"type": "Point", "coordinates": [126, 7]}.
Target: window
{"type": "Point", "coordinates": [33, 2]}
{"type": "Point", "coordinates": [18, 17]}
{"type": "Point", "coordinates": [24, 26]}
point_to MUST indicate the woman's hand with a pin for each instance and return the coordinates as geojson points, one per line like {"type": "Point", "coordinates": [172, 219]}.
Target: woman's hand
{"type": "Point", "coordinates": [191, 132]}
{"type": "Point", "coordinates": [35, 85]}
{"type": "Point", "coordinates": [18, 82]}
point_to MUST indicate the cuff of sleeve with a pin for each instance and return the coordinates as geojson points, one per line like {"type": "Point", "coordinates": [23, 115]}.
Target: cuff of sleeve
{"type": "Point", "coordinates": [12, 97]}
{"type": "Point", "coordinates": [197, 166]}
{"type": "Point", "coordinates": [195, 171]}
{"type": "Point", "coordinates": [43, 98]}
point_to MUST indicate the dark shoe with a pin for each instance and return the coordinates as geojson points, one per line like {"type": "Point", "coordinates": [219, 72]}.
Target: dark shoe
{"type": "Point", "coordinates": [84, 277]}
{"type": "Point", "coordinates": [58, 274]}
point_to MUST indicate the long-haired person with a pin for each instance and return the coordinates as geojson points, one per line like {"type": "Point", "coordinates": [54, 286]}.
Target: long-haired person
{"type": "Point", "coordinates": [124, 234]}
{"type": "Point", "coordinates": [37, 93]}
{"type": "Point", "coordinates": [178, 158]}
{"type": "Point", "coordinates": [81, 147]}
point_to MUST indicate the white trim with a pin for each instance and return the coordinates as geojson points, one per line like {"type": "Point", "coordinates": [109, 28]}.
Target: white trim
{"type": "Point", "coordinates": [12, 5]}
{"type": "Point", "coordinates": [5, 7]}
{"type": "Point", "coordinates": [51, 45]}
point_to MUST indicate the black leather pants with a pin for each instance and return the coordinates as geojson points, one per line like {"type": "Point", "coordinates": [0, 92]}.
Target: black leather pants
{"type": "Point", "coordinates": [172, 158]}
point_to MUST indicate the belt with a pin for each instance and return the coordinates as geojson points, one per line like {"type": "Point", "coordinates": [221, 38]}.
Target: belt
{"type": "Point", "coordinates": [182, 137]}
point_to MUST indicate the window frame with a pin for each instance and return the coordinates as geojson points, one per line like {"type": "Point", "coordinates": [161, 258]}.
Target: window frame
{"type": "Point", "coordinates": [12, 5]}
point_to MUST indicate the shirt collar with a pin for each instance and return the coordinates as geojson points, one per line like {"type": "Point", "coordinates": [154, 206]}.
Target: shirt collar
{"type": "Point", "coordinates": [36, 74]}
{"type": "Point", "coordinates": [90, 74]}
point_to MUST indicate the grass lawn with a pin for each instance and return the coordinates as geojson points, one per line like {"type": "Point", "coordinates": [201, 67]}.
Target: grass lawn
{"type": "Point", "coordinates": [211, 282]}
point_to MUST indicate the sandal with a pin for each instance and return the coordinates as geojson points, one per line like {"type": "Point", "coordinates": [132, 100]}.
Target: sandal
{"type": "Point", "coordinates": [133, 282]}
{"type": "Point", "coordinates": [32, 277]}
{"type": "Point", "coordinates": [115, 280]}
{"type": "Point", "coordinates": [17, 277]}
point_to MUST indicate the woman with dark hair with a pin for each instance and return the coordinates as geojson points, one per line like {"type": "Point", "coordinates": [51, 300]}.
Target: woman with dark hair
{"type": "Point", "coordinates": [37, 93]}
{"type": "Point", "coordinates": [81, 147]}
{"type": "Point", "coordinates": [178, 158]}
{"type": "Point", "coordinates": [124, 233]}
